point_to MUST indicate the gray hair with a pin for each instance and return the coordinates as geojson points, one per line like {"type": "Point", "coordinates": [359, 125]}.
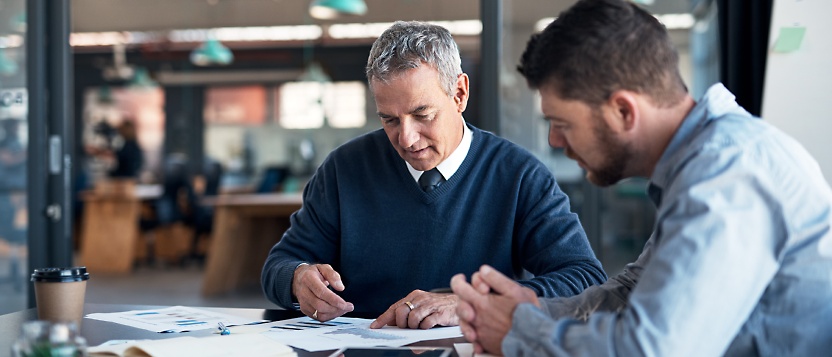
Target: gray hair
{"type": "Point", "coordinates": [409, 44]}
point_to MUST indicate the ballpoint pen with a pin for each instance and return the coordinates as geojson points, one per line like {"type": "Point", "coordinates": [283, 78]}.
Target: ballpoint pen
{"type": "Point", "coordinates": [223, 330]}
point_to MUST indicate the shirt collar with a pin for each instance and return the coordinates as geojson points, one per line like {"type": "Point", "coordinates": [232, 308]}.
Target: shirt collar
{"type": "Point", "coordinates": [451, 164]}
{"type": "Point", "coordinates": [716, 102]}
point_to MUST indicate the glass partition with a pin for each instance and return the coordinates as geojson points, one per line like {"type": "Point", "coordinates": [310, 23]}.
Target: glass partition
{"type": "Point", "coordinates": [13, 156]}
{"type": "Point", "coordinates": [618, 219]}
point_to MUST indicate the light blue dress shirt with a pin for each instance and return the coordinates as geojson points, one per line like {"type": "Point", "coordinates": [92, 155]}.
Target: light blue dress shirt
{"type": "Point", "coordinates": [739, 263]}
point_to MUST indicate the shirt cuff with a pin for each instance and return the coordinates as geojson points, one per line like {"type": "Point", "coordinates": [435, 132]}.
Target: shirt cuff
{"type": "Point", "coordinates": [528, 328]}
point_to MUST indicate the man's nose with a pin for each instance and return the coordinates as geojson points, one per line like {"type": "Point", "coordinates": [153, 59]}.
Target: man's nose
{"type": "Point", "coordinates": [408, 134]}
{"type": "Point", "coordinates": [556, 139]}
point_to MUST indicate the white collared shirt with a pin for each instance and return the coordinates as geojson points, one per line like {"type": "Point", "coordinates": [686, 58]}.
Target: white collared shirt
{"type": "Point", "coordinates": [449, 166]}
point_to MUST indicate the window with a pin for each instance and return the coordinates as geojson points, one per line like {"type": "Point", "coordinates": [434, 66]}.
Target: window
{"type": "Point", "coordinates": [306, 105]}
{"type": "Point", "coordinates": [235, 105]}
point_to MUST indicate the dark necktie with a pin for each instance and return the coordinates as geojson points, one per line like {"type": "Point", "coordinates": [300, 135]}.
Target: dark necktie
{"type": "Point", "coordinates": [430, 180]}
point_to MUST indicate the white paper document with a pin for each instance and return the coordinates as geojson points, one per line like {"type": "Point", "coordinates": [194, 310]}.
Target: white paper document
{"type": "Point", "coordinates": [467, 350]}
{"type": "Point", "coordinates": [311, 335]}
{"type": "Point", "coordinates": [249, 345]}
{"type": "Point", "coordinates": [172, 319]}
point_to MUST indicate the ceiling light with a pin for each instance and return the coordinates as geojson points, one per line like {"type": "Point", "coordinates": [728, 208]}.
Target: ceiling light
{"type": "Point", "coordinates": [331, 9]}
{"type": "Point", "coordinates": [211, 52]}
{"type": "Point", "coordinates": [141, 80]}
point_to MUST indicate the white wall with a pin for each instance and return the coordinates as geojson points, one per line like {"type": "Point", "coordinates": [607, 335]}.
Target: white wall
{"type": "Point", "coordinates": [797, 92]}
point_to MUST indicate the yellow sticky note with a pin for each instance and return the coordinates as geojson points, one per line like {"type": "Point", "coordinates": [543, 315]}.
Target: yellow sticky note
{"type": "Point", "coordinates": [789, 39]}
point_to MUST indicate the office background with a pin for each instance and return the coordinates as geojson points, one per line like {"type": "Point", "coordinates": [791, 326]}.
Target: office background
{"type": "Point", "coordinates": [293, 91]}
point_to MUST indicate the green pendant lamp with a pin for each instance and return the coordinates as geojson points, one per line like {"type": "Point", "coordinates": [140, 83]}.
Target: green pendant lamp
{"type": "Point", "coordinates": [331, 9]}
{"type": "Point", "coordinates": [141, 80]}
{"type": "Point", "coordinates": [211, 52]}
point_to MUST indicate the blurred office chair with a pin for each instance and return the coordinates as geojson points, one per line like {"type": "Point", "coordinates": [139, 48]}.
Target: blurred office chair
{"type": "Point", "coordinates": [171, 235]}
{"type": "Point", "coordinates": [202, 218]}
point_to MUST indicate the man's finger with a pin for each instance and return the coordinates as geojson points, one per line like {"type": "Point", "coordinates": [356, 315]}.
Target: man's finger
{"type": "Point", "coordinates": [323, 293]}
{"type": "Point", "coordinates": [402, 313]}
{"type": "Point", "coordinates": [465, 312]}
{"type": "Point", "coordinates": [331, 276]}
{"type": "Point", "coordinates": [386, 318]}
{"type": "Point", "coordinates": [464, 290]}
{"type": "Point", "coordinates": [429, 321]}
{"type": "Point", "coordinates": [468, 332]}
{"type": "Point", "coordinates": [498, 282]}
{"type": "Point", "coordinates": [479, 284]}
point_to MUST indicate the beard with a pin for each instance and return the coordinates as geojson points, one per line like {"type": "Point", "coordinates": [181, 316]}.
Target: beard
{"type": "Point", "coordinates": [616, 154]}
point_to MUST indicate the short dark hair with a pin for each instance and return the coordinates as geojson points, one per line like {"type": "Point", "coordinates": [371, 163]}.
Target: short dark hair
{"type": "Point", "coordinates": [599, 46]}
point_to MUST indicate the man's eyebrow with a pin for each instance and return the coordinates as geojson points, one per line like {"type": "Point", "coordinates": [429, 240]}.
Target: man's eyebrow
{"type": "Point", "coordinates": [420, 108]}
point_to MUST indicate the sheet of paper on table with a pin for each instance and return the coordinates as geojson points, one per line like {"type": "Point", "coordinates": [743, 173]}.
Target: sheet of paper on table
{"type": "Point", "coordinates": [172, 319]}
{"type": "Point", "coordinates": [249, 345]}
{"type": "Point", "coordinates": [311, 335]}
{"type": "Point", "coordinates": [467, 350]}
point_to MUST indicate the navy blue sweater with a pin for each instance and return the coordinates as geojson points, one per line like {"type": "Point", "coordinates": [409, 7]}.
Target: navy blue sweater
{"type": "Point", "coordinates": [364, 214]}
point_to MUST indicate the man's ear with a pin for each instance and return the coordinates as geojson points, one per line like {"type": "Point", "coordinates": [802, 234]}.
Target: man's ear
{"type": "Point", "coordinates": [461, 95]}
{"type": "Point", "coordinates": [625, 109]}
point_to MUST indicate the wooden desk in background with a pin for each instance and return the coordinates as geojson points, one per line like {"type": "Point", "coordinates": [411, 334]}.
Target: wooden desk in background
{"type": "Point", "coordinates": [110, 228]}
{"type": "Point", "coordinates": [246, 227]}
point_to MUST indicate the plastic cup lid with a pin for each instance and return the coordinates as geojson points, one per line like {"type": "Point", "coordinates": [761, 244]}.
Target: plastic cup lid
{"type": "Point", "coordinates": [54, 275]}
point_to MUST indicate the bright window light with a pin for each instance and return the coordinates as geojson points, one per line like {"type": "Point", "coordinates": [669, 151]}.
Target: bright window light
{"type": "Point", "coordinates": [542, 23]}
{"type": "Point", "coordinates": [98, 38]}
{"type": "Point", "coordinates": [304, 105]}
{"type": "Point", "coordinates": [11, 41]}
{"type": "Point", "coordinates": [345, 104]}
{"type": "Point", "coordinates": [301, 106]}
{"type": "Point", "coordinates": [670, 21]}
{"type": "Point", "coordinates": [461, 27]}
{"type": "Point", "coordinates": [259, 33]}
{"type": "Point", "coordinates": [677, 21]}
{"type": "Point", "coordinates": [373, 30]}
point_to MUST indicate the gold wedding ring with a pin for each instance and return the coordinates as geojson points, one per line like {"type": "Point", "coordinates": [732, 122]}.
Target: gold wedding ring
{"type": "Point", "coordinates": [409, 305]}
{"type": "Point", "coordinates": [315, 315]}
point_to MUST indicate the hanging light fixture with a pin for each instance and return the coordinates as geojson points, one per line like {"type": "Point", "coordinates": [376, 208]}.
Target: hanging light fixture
{"type": "Point", "coordinates": [141, 79]}
{"type": "Point", "coordinates": [331, 9]}
{"type": "Point", "coordinates": [211, 52]}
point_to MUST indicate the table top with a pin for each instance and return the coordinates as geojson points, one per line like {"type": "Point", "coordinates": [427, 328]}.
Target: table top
{"type": "Point", "coordinates": [97, 332]}
{"type": "Point", "coordinates": [253, 199]}
{"type": "Point", "coordinates": [136, 192]}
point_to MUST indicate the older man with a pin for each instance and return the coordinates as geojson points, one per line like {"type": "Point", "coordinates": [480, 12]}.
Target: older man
{"type": "Point", "coordinates": [395, 213]}
{"type": "Point", "coordinates": [740, 262]}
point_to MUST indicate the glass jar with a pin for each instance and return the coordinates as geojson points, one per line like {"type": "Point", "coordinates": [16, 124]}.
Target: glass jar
{"type": "Point", "coordinates": [49, 339]}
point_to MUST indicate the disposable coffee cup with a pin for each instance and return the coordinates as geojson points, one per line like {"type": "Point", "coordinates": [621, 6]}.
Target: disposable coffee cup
{"type": "Point", "coordinates": [59, 293]}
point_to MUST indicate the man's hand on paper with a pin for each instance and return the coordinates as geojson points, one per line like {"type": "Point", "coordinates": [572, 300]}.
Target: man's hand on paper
{"type": "Point", "coordinates": [310, 286]}
{"type": "Point", "coordinates": [420, 309]}
{"type": "Point", "coordinates": [485, 318]}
